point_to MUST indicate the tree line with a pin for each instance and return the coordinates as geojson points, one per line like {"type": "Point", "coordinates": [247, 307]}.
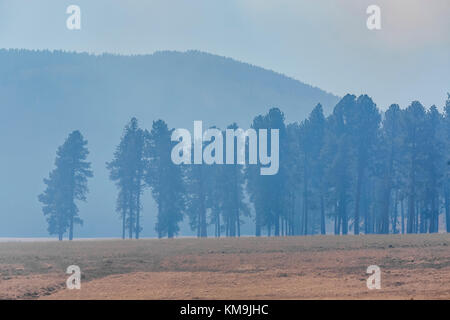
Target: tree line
{"type": "Point", "coordinates": [356, 170]}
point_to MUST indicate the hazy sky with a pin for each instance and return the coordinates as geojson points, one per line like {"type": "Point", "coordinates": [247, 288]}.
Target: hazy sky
{"type": "Point", "coordinates": [324, 43]}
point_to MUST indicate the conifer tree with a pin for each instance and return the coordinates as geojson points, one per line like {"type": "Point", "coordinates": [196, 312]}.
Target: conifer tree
{"type": "Point", "coordinates": [66, 184]}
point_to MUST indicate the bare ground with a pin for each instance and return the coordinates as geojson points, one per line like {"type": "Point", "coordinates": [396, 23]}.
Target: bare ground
{"type": "Point", "coordinates": [412, 266]}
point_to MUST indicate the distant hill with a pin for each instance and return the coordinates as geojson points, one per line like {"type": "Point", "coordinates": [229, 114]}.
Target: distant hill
{"type": "Point", "coordinates": [44, 95]}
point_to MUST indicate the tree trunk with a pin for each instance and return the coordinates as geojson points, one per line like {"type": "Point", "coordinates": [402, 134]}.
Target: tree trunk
{"type": "Point", "coordinates": [395, 213]}
{"type": "Point", "coordinates": [411, 212]}
{"type": "Point", "coordinates": [138, 213]}
{"type": "Point", "coordinates": [236, 201]}
{"type": "Point", "coordinates": [402, 211]}
{"type": "Point", "coordinates": [170, 232]}
{"type": "Point", "coordinates": [277, 222]}
{"type": "Point", "coordinates": [130, 227]}
{"type": "Point", "coordinates": [434, 225]}
{"type": "Point", "coordinates": [343, 211]}
{"type": "Point", "coordinates": [71, 228]}
{"type": "Point", "coordinates": [416, 222]}
{"type": "Point", "coordinates": [72, 204]}
{"type": "Point", "coordinates": [305, 196]}
{"type": "Point", "coordinates": [203, 232]}
{"type": "Point", "coordinates": [218, 223]}
{"type": "Point", "coordinates": [322, 214]}
{"type": "Point", "coordinates": [305, 210]}
{"type": "Point", "coordinates": [412, 193]}
{"type": "Point", "coordinates": [257, 222]}
{"type": "Point", "coordinates": [358, 195]}
{"type": "Point", "coordinates": [337, 217]}
{"type": "Point", "coordinates": [238, 224]}
{"type": "Point", "coordinates": [386, 206]}
{"type": "Point", "coordinates": [124, 218]}
{"type": "Point", "coordinates": [447, 208]}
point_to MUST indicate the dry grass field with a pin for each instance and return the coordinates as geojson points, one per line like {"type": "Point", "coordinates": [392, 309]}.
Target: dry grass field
{"type": "Point", "coordinates": [317, 267]}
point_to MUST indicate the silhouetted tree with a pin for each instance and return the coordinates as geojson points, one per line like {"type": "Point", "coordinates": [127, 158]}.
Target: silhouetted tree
{"type": "Point", "coordinates": [339, 152]}
{"type": "Point", "coordinates": [231, 189]}
{"type": "Point", "coordinates": [127, 170]}
{"type": "Point", "coordinates": [434, 169]}
{"type": "Point", "coordinates": [414, 143]}
{"type": "Point", "coordinates": [196, 191]}
{"type": "Point", "coordinates": [446, 136]}
{"type": "Point", "coordinates": [389, 160]}
{"type": "Point", "coordinates": [354, 168]}
{"type": "Point", "coordinates": [267, 191]}
{"type": "Point", "coordinates": [165, 180]}
{"type": "Point", "coordinates": [66, 184]}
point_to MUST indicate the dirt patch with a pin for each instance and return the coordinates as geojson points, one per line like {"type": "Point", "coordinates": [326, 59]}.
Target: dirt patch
{"type": "Point", "coordinates": [31, 286]}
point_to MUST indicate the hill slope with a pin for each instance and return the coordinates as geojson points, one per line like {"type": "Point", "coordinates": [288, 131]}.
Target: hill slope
{"type": "Point", "coordinates": [45, 95]}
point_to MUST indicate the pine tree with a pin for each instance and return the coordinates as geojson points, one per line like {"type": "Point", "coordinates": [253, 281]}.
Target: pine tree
{"type": "Point", "coordinates": [165, 180]}
{"type": "Point", "coordinates": [196, 198]}
{"type": "Point", "coordinates": [317, 128]}
{"type": "Point", "coordinates": [292, 180]}
{"type": "Point", "coordinates": [364, 122]}
{"type": "Point", "coordinates": [414, 144]}
{"type": "Point", "coordinates": [434, 167]}
{"type": "Point", "coordinates": [388, 161]}
{"type": "Point", "coordinates": [446, 185]}
{"type": "Point", "coordinates": [231, 189]}
{"type": "Point", "coordinates": [267, 192]}
{"type": "Point", "coordinates": [215, 198]}
{"type": "Point", "coordinates": [256, 186]}
{"type": "Point", "coordinates": [66, 184]}
{"type": "Point", "coordinates": [339, 152]}
{"type": "Point", "coordinates": [127, 170]}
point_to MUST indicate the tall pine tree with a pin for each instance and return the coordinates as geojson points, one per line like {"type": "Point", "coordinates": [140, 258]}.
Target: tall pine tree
{"type": "Point", "coordinates": [127, 171]}
{"type": "Point", "coordinates": [165, 180]}
{"type": "Point", "coordinates": [66, 184]}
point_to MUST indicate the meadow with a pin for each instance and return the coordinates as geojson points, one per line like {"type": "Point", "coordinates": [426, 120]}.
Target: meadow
{"type": "Point", "coordinates": [313, 267]}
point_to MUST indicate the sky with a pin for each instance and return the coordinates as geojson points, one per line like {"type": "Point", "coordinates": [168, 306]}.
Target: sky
{"type": "Point", "coordinates": [323, 43]}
